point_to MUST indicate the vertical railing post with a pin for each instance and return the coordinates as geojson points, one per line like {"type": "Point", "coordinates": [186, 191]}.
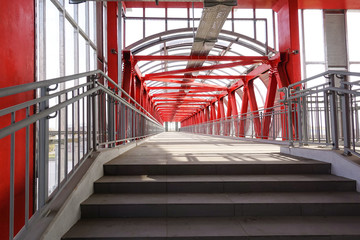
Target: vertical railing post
{"type": "Point", "coordinates": [94, 115]}
{"type": "Point", "coordinates": [327, 117]}
{"type": "Point", "coordinates": [299, 117]}
{"type": "Point", "coordinates": [290, 129]}
{"type": "Point", "coordinates": [111, 123]}
{"type": "Point", "coordinates": [345, 107]}
{"type": "Point", "coordinates": [43, 156]}
{"type": "Point", "coordinates": [333, 115]}
{"type": "Point", "coordinates": [88, 117]}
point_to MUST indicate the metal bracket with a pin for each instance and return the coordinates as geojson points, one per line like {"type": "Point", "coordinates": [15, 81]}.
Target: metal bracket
{"type": "Point", "coordinates": [50, 117]}
{"type": "Point", "coordinates": [52, 89]}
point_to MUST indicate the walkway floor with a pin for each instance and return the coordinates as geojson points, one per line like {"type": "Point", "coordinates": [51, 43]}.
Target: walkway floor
{"type": "Point", "coordinates": [184, 148]}
{"type": "Point", "coordinates": [187, 186]}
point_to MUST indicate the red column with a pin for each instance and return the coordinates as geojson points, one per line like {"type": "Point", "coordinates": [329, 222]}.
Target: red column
{"type": "Point", "coordinates": [17, 54]}
{"type": "Point", "coordinates": [254, 108]}
{"type": "Point", "coordinates": [112, 41]}
{"type": "Point", "coordinates": [127, 71]}
{"type": "Point", "coordinates": [207, 113]}
{"type": "Point", "coordinates": [288, 28]}
{"type": "Point", "coordinates": [243, 111]}
{"type": "Point", "coordinates": [213, 112]}
{"type": "Point", "coordinates": [221, 112]}
{"type": "Point", "coordinates": [269, 103]}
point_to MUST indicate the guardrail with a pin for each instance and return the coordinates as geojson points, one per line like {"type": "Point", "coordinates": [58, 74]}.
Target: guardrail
{"type": "Point", "coordinates": [71, 118]}
{"type": "Point", "coordinates": [321, 110]}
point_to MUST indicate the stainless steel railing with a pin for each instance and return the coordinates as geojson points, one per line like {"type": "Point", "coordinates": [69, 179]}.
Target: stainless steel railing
{"type": "Point", "coordinates": [71, 118]}
{"type": "Point", "coordinates": [321, 110]}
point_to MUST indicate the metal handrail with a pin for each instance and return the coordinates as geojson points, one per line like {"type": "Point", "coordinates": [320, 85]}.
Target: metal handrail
{"type": "Point", "coordinates": [8, 91]}
{"type": "Point", "coordinates": [96, 109]}
{"type": "Point", "coordinates": [307, 115]}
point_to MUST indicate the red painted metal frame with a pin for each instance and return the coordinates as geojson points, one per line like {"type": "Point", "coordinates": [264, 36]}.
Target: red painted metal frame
{"type": "Point", "coordinates": [216, 77]}
{"type": "Point", "coordinates": [198, 69]}
{"type": "Point", "coordinates": [302, 4]}
{"type": "Point", "coordinates": [255, 59]}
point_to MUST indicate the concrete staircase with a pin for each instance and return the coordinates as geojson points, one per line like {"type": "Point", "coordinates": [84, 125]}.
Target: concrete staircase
{"type": "Point", "coordinates": [248, 200]}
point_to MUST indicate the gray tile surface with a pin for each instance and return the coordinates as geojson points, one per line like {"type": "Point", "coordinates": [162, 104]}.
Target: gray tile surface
{"type": "Point", "coordinates": [184, 186]}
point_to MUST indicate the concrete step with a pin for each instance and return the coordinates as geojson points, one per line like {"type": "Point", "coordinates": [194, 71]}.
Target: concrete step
{"type": "Point", "coordinates": [222, 183]}
{"type": "Point", "coordinates": [221, 205]}
{"type": "Point", "coordinates": [295, 167]}
{"type": "Point", "coordinates": [242, 228]}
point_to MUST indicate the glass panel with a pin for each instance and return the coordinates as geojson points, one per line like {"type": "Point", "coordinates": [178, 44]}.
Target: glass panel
{"type": "Point", "coordinates": [314, 35]}
{"type": "Point", "coordinates": [243, 13]}
{"type": "Point", "coordinates": [134, 12]}
{"type": "Point", "coordinates": [244, 27]}
{"type": "Point", "coordinates": [312, 70]}
{"type": "Point", "coordinates": [177, 12]}
{"type": "Point", "coordinates": [69, 49]}
{"type": "Point", "coordinates": [175, 24]}
{"type": "Point", "coordinates": [261, 31]}
{"type": "Point", "coordinates": [151, 30]}
{"type": "Point", "coordinates": [154, 12]}
{"type": "Point", "coordinates": [92, 59]}
{"type": "Point", "coordinates": [132, 36]}
{"type": "Point", "coordinates": [52, 39]}
{"type": "Point", "coordinates": [354, 68]}
{"type": "Point", "coordinates": [69, 8]}
{"type": "Point", "coordinates": [82, 14]}
{"type": "Point", "coordinates": [197, 13]}
{"type": "Point", "coordinates": [82, 54]}
{"type": "Point", "coordinates": [92, 21]}
{"type": "Point", "coordinates": [227, 25]}
{"type": "Point", "coordinates": [268, 14]}
{"type": "Point", "coordinates": [353, 20]}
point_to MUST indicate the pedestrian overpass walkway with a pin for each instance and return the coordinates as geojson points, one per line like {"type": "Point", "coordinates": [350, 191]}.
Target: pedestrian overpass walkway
{"type": "Point", "coordinates": [187, 186]}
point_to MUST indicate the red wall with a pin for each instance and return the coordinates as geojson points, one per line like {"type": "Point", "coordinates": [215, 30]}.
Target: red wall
{"type": "Point", "coordinates": [17, 66]}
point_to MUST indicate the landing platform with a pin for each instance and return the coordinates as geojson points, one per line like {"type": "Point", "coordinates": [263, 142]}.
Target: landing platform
{"type": "Point", "coordinates": [183, 148]}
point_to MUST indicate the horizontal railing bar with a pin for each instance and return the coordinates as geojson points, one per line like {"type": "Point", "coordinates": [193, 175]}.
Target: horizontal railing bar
{"type": "Point", "coordinates": [32, 119]}
{"type": "Point", "coordinates": [330, 72]}
{"type": "Point", "coordinates": [127, 104]}
{"type": "Point", "coordinates": [38, 100]}
{"type": "Point", "coordinates": [123, 91]}
{"type": "Point", "coordinates": [35, 85]}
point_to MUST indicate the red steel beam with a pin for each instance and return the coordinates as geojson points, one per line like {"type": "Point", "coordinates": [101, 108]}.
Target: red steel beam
{"type": "Point", "coordinates": [198, 69]}
{"type": "Point", "coordinates": [191, 83]}
{"type": "Point", "coordinates": [182, 94]}
{"type": "Point", "coordinates": [200, 58]}
{"type": "Point", "coordinates": [184, 99]}
{"type": "Point", "coordinates": [214, 77]}
{"type": "Point", "coordinates": [203, 89]}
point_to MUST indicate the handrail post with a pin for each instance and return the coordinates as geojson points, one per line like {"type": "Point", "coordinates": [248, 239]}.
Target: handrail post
{"type": "Point", "coordinates": [345, 108]}
{"type": "Point", "coordinates": [333, 115]}
{"type": "Point", "coordinates": [43, 157]}
{"type": "Point", "coordinates": [88, 115]}
{"type": "Point", "coordinates": [94, 114]}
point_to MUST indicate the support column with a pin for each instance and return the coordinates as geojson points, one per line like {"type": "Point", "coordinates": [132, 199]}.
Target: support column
{"type": "Point", "coordinates": [269, 103]}
{"type": "Point", "coordinates": [254, 108]}
{"type": "Point", "coordinates": [243, 111]}
{"type": "Point", "coordinates": [17, 54]}
{"type": "Point", "coordinates": [112, 41]}
{"type": "Point", "coordinates": [289, 43]}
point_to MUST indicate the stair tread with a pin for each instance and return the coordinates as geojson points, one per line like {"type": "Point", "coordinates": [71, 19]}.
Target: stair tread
{"type": "Point", "coordinates": [214, 227]}
{"type": "Point", "coordinates": [212, 163]}
{"type": "Point", "coordinates": [221, 178]}
{"type": "Point", "coordinates": [225, 198]}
